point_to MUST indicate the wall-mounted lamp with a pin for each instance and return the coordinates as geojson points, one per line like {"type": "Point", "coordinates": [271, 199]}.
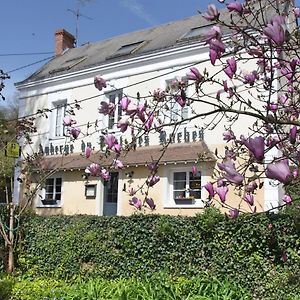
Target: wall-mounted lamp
{"type": "Point", "coordinates": [129, 174]}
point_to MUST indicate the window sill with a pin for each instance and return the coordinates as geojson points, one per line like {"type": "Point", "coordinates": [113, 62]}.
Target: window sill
{"type": "Point", "coordinates": [57, 138]}
{"type": "Point", "coordinates": [49, 206]}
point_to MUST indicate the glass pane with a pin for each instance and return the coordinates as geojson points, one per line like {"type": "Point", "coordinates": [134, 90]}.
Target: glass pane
{"type": "Point", "coordinates": [195, 194]}
{"type": "Point", "coordinates": [58, 181]}
{"type": "Point", "coordinates": [49, 189]}
{"type": "Point", "coordinates": [50, 181]}
{"type": "Point", "coordinates": [58, 189]}
{"type": "Point", "coordinates": [180, 176]}
{"type": "Point", "coordinates": [179, 185]}
{"type": "Point", "coordinates": [179, 194]}
{"type": "Point", "coordinates": [57, 196]}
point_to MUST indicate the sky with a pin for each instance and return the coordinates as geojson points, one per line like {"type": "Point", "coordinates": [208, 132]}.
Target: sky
{"type": "Point", "coordinates": [28, 27]}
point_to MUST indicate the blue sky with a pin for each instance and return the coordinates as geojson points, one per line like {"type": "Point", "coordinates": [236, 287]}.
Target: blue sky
{"type": "Point", "coordinates": [29, 26]}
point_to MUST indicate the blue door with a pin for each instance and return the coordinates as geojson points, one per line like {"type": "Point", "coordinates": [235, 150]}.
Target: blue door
{"type": "Point", "coordinates": [110, 197]}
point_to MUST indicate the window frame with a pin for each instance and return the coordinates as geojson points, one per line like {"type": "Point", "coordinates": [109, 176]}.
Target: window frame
{"type": "Point", "coordinates": [186, 201]}
{"type": "Point", "coordinates": [111, 121]}
{"type": "Point", "coordinates": [43, 201]}
{"type": "Point", "coordinates": [58, 122]}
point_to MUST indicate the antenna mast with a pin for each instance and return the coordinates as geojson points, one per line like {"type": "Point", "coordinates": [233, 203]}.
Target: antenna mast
{"type": "Point", "coordinates": [77, 14]}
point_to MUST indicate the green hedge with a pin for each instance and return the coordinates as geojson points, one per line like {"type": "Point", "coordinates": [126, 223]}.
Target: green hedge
{"type": "Point", "coordinates": [261, 252]}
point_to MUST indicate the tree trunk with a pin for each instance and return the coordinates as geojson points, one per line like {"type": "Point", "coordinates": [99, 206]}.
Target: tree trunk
{"type": "Point", "coordinates": [10, 245]}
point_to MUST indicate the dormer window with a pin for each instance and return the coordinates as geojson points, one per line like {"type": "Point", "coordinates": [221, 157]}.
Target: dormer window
{"type": "Point", "coordinates": [195, 32]}
{"type": "Point", "coordinates": [128, 49]}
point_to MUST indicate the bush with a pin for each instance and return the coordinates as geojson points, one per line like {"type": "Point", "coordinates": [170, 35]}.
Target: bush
{"type": "Point", "coordinates": [260, 253]}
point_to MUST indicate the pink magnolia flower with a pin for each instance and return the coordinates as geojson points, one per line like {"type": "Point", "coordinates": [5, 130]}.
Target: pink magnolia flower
{"type": "Point", "coordinates": [87, 152]}
{"type": "Point", "coordinates": [295, 173]}
{"type": "Point", "coordinates": [123, 124]}
{"type": "Point", "coordinates": [124, 102]}
{"type": "Point", "coordinates": [233, 213]}
{"type": "Point", "coordinates": [222, 192]}
{"type": "Point", "coordinates": [249, 78]}
{"type": "Point", "coordinates": [235, 6]}
{"type": "Point", "coordinates": [152, 180]}
{"type": "Point", "coordinates": [75, 132]}
{"type": "Point", "coordinates": [256, 146]}
{"type": "Point", "coordinates": [180, 100]}
{"type": "Point", "coordinates": [210, 189]}
{"type": "Point", "coordinates": [297, 12]}
{"type": "Point", "coordinates": [107, 108]}
{"type": "Point", "coordinates": [216, 49]}
{"type": "Point", "coordinates": [194, 74]}
{"type": "Point", "coordinates": [153, 167]}
{"type": "Point", "coordinates": [116, 148]}
{"type": "Point", "coordinates": [287, 199]}
{"type": "Point", "coordinates": [249, 198]}
{"type": "Point", "coordinates": [149, 122]}
{"type": "Point", "coordinates": [110, 140]}
{"type": "Point", "coordinates": [132, 191]}
{"type": "Point", "coordinates": [293, 134]}
{"type": "Point", "coordinates": [275, 32]}
{"type": "Point", "coordinates": [159, 95]}
{"type": "Point", "coordinates": [280, 171]}
{"type": "Point", "coordinates": [228, 135]}
{"type": "Point", "coordinates": [99, 82]}
{"type": "Point", "coordinates": [94, 169]}
{"type": "Point", "coordinates": [141, 108]}
{"type": "Point", "coordinates": [150, 202]}
{"type": "Point", "coordinates": [104, 174]}
{"type": "Point", "coordinates": [213, 33]}
{"type": "Point", "coordinates": [212, 13]}
{"type": "Point", "coordinates": [273, 106]}
{"type": "Point", "coordinates": [194, 170]}
{"type": "Point", "coordinates": [131, 109]}
{"type": "Point", "coordinates": [68, 121]}
{"type": "Point", "coordinates": [117, 164]}
{"type": "Point", "coordinates": [251, 187]}
{"type": "Point", "coordinates": [231, 173]}
{"type": "Point", "coordinates": [231, 67]}
{"type": "Point", "coordinates": [136, 202]}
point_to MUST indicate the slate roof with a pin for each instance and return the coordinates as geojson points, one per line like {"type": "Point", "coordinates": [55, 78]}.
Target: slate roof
{"type": "Point", "coordinates": [175, 153]}
{"type": "Point", "coordinates": [162, 37]}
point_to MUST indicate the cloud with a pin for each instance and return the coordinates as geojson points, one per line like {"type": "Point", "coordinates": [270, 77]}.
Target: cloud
{"type": "Point", "coordinates": [137, 8]}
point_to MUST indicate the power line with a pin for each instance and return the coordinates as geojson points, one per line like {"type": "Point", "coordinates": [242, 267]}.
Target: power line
{"type": "Point", "coordinates": [34, 63]}
{"type": "Point", "coordinates": [23, 54]}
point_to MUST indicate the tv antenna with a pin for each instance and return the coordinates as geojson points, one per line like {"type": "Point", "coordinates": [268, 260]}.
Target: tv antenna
{"type": "Point", "coordinates": [77, 14]}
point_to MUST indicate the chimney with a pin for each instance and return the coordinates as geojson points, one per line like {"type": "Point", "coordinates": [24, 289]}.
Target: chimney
{"type": "Point", "coordinates": [63, 40]}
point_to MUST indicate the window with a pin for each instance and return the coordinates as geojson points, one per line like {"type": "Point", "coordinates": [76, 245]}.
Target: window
{"type": "Point", "coordinates": [53, 191]}
{"type": "Point", "coordinates": [127, 49]}
{"type": "Point", "coordinates": [59, 110]}
{"type": "Point", "coordinates": [114, 97]}
{"type": "Point", "coordinates": [176, 112]}
{"type": "Point", "coordinates": [196, 32]}
{"type": "Point", "coordinates": [186, 188]}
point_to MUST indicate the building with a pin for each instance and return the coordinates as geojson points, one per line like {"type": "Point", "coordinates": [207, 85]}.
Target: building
{"type": "Point", "coordinates": [133, 64]}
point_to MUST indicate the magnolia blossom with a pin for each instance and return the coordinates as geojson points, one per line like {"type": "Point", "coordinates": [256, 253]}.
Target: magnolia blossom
{"type": "Point", "coordinates": [124, 102]}
{"type": "Point", "coordinates": [136, 202]}
{"type": "Point", "coordinates": [194, 170]}
{"type": "Point", "coordinates": [213, 33]}
{"type": "Point", "coordinates": [249, 78]}
{"type": "Point", "coordinates": [235, 6]}
{"type": "Point", "coordinates": [231, 67]}
{"type": "Point", "coordinates": [117, 164]}
{"type": "Point", "coordinates": [150, 202]}
{"type": "Point", "coordinates": [153, 167]}
{"type": "Point", "coordinates": [68, 121]}
{"type": "Point", "coordinates": [87, 152]}
{"type": "Point", "coordinates": [275, 31]}
{"type": "Point", "coordinates": [293, 134]}
{"type": "Point", "coordinates": [104, 174]}
{"type": "Point", "coordinates": [149, 122]}
{"type": "Point", "coordinates": [75, 132]}
{"type": "Point", "coordinates": [256, 146]}
{"type": "Point", "coordinates": [216, 49]}
{"type": "Point", "coordinates": [210, 189]}
{"type": "Point", "coordinates": [280, 171]}
{"type": "Point", "coordinates": [233, 213]}
{"type": "Point", "coordinates": [99, 82]}
{"type": "Point", "coordinates": [110, 140]}
{"type": "Point", "coordinates": [231, 173]}
{"type": "Point", "coordinates": [194, 74]}
{"type": "Point", "coordinates": [131, 191]}
{"type": "Point", "coordinates": [212, 13]}
{"type": "Point", "coordinates": [251, 187]}
{"type": "Point", "coordinates": [287, 199]}
{"type": "Point", "coordinates": [249, 198]}
{"type": "Point", "coordinates": [222, 192]}
{"type": "Point", "coordinates": [107, 108]}
{"type": "Point", "coordinates": [297, 12]}
{"type": "Point", "coordinates": [159, 95]}
{"type": "Point", "coordinates": [94, 169]}
{"type": "Point", "coordinates": [123, 124]}
{"type": "Point", "coordinates": [228, 135]}
{"type": "Point", "coordinates": [152, 180]}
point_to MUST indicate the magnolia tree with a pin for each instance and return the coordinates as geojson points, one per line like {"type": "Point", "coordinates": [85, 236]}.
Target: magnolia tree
{"type": "Point", "coordinates": [254, 64]}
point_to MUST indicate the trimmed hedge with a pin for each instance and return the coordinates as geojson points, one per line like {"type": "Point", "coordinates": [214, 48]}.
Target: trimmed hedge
{"type": "Point", "coordinates": [260, 253]}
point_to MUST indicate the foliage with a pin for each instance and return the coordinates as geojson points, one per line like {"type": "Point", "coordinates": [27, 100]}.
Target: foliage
{"type": "Point", "coordinates": [261, 253]}
{"type": "Point", "coordinates": [157, 287]}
